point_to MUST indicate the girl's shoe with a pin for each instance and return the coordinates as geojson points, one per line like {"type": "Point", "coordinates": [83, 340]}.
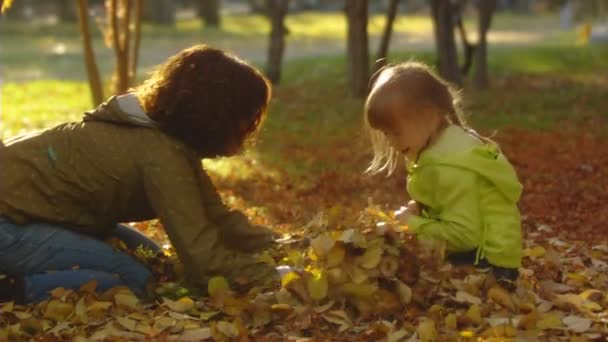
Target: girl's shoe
{"type": "Point", "coordinates": [506, 277]}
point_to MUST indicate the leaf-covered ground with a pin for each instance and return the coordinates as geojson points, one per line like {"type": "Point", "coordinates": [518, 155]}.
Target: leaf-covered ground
{"type": "Point", "coordinates": [360, 275]}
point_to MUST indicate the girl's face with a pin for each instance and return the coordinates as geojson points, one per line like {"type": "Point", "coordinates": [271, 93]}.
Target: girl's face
{"type": "Point", "coordinates": [411, 136]}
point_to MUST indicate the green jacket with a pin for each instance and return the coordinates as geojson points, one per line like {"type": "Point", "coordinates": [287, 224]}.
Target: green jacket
{"type": "Point", "coordinates": [116, 166]}
{"type": "Point", "coordinates": [469, 192]}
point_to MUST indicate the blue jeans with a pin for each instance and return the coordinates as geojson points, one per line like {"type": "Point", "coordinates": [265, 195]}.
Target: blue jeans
{"type": "Point", "coordinates": [49, 256]}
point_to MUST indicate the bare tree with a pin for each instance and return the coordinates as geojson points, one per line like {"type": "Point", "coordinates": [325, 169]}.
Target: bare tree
{"type": "Point", "coordinates": [357, 46]}
{"type": "Point", "coordinates": [95, 83]}
{"type": "Point", "coordinates": [118, 37]}
{"type": "Point", "coordinates": [209, 12]}
{"type": "Point", "coordinates": [277, 10]}
{"type": "Point", "coordinates": [468, 47]}
{"type": "Point", "coordinates": [443, 24]}
{"type": "Point", "coordinates": [486, 10]}
{"type": "Point", "coordinates": [391, 13]}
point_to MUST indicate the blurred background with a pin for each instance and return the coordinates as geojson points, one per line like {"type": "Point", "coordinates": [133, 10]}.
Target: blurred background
{"type": "Point", "coordinates": [533, 74]}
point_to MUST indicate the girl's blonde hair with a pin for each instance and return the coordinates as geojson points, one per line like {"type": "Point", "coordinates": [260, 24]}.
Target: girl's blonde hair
{"type": "Point", "coordinates": [405, 84]}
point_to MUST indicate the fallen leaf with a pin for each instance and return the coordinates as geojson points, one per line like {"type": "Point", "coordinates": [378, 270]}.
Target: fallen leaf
{"type": "Point", "coordinates": [500, 331]}
{"type": "Point", "coordinates": [465, 297]}
{"type": "Point", "coordinates": [181, 305]}
{"type": "Point", "coordinates": [195, 335]}
{"type": "Point", "coordinates": [127, 300]}
{"type": "Point", "coordinates": [404, 291]}
{"type": "Point", "coordinates": [549, 320]}
{"type": "Point", "coordinates": [501, 297]}
{"type": "Point", "coordinates": [217, 283]}
{"type": "Point", "coordinates": [227, 328]}
{"type": "Point", "coordinates": [577, 324]}
{"type": "Point", "coordinates": [127, 323]}
{"type": "Point", "coordinates": [317, 286]}
{"type": "Point", "coordinates": [57, 310]}
{"type": "Point", "coordinates": [426, 330]}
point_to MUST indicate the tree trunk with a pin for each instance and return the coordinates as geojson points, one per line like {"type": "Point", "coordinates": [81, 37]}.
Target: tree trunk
{"type": "Point", "coordinates": [138, 13]}
{"type": "Point", "coordinates": [118, 34]}
{"type": "Point", "coordinates": [391, 13]}
{"type": "Point", "coordinates": [209, 12]}
{"type": "Point", "coordinates": [66, 11]}
{"type": "Point", "coordinates": [277, 10]}
{"type": "Point", "coordinates": [95, 83]}
{"type": "Point", "coordinates": [467, 46]}
{"type": "Point", "coordinates": [160, 11]}
{"type": "Point", "coordinates": [443, 25]}
{"type": "Point", "coordinates": [486, 10]}
{"type": "Point", "coordinates": [357, 46]}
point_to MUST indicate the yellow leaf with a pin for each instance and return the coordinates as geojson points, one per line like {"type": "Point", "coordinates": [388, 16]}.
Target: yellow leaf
{"type": "Point", "coordinates": [181, 305]}
{"type": "Point", "coordinates": [60, 292]}
{"type": "Point", "coordinates": [337, 275]}
{"type": "Point", "coordinates": [88, 287]}
{"type": "Point", "coordinates": [322, 244]}
{"type": "Point", "coordinates": [335, 255]}
{"type": "Point", "coordinates": [317, 286]}
{"type": "Point", "coordinates": [216, 284]}
{"type": "Point", "coordinates": [473, 314]}
{"type": "Point", "coordinates": [371, 258]}
{"type": "Point", "coordinates": [404, 291]}
{"type": "Point", "coordinates": [99, 306]}
{"type": "Point", "coordinates": [266, 258]}
{"type": "Point", "coordinates": [127, 300]}
{"type": "Point", "coordinates": [289, 277]}
{"type": "Point", "coordinates": [593, 295]}
{"type": "Point", "coordinates": [163, 323]}
{"type": "Point", "coordinates": [577, 324]}
{"type": "Point", "coordinates": [81, 311]}
{"type": "Point", "coordinates": [451, 322]}
{"type": "Point", "coordinates": [194, 335]}
{"type": "Point", "coordinates": [127, 323]}
{"type": "Point", "coordinates": [282, 309]}
{"type": "Point", "coordinates": [426, 330]}
{"type": "Point", "coordinates": [465, 297]}
{"type": "Point", "coordinates": [500, 331]}
{"type": "Point", "coordinates": [535, 252]}
{"type": "Point", "coordinates": [529, 321]}
{"type": "Point", "coordinates": [358, 275]}
{"type": "Point", "coordinates": [338, 317]}
{"type": "Point", "coordinates": [467, 334]}
{"type": "Point", "coordinates": [205, 316]}
{"type": "Point", "coordinates": [549, 320]}
{"type": "Point", "coordinates": [7, 307]}
{"type": "Point", "coordinates": [502, 297]}
{"type": "Point", "coordinates": [144, 329]}
{"type": "Point", "coordinates": [359, 290]}
{"type": "Point", "coordinates": [31, 325]}
{"type": "Point", "coordinates": [228, 329]}
{"type": "Point", "coordinates": [58, 311]}
{"type": "Point", "coordinates": [295, 257]}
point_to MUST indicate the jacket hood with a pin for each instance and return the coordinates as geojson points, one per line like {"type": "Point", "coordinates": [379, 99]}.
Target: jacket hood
{"type": "Point", "coordinates": [458, 148]}
{"type": "Point", "coordinates": [122, 109]}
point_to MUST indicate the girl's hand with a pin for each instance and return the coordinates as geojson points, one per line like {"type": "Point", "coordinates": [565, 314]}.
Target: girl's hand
{"type": "Point", "coordinates": [413, 207]}
{"type": "Point", "coordinates": [403, 214]}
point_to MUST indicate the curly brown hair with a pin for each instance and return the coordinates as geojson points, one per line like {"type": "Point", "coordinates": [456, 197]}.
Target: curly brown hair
{"type": "Point", "coordinates": [207, 98]}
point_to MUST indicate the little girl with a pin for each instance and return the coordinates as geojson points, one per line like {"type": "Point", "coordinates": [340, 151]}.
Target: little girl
{"type": "Point", "coordinates": [464, 190]}
{"type": "Point", "coordinates": [136, 157]}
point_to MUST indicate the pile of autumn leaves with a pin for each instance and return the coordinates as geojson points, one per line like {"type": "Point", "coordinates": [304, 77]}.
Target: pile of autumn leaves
{"type": "Point", "coordinates": [354, 276]}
